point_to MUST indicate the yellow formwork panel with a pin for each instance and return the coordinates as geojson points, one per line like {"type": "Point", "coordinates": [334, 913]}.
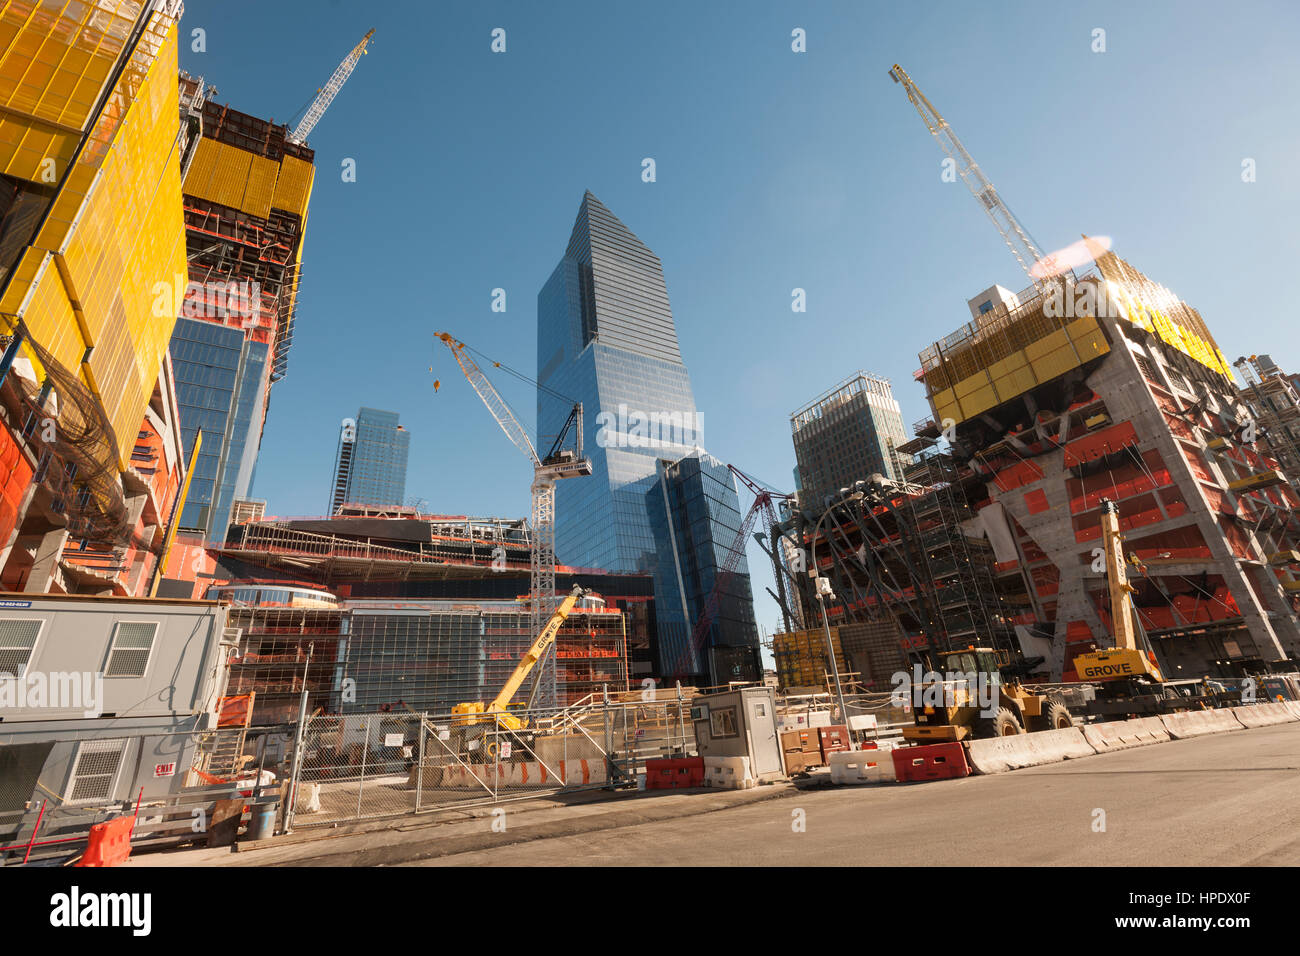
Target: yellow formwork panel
{"type": "Point", "coordinates": [1015, 383]}
{"type": "Point", "coordinates": [219, 173]}
{"type": "Point", "coordinates": [50, 319]}
{"type": "Point", "coordinates": [1034, 351]}
{"type": "Point", "coordinates": [968, 385]}
{"type": "Point", "coordinates": [128, 243]}
{"type": "Point", "coordinates": [945, 406]}
{"type": "Point", "coordinates": [293, 189]}
{"type": "Point", "coordinates": [980, 401]}
{"type": "Point", "coordinates": [1008, 366]}
{"type": "Point", "coordinates": [33, 150]}
{"type": "Point", "coordinates": [260, 188]}
{"type": "Point", "coordinates": [56, 57]}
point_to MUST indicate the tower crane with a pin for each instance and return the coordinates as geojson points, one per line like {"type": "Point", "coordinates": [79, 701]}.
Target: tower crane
{"type": "Point", "coordinates": [326, 94]}
{"type": "Point", "coordinates": [559, 463]}
{"type": "Point", "coordinates": [1016, 236]}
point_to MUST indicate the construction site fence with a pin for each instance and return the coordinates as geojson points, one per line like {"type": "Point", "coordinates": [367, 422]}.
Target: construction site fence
{"type": "Point", "coordinates": [368, 766]}
{"type": "Point", "coordinates": [170, 781]}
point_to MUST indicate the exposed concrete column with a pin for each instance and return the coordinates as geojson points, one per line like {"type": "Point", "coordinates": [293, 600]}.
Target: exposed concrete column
{"type": "Point", "coordinates": [45, 564]}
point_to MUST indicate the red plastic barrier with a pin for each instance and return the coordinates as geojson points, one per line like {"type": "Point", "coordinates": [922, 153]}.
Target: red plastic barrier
{"type": "Point", "coordinates": [673, 773]}
{"type": "Point", "coordinates": [930, 762]}
{"type": "Point", "coordinates": [110, 843]}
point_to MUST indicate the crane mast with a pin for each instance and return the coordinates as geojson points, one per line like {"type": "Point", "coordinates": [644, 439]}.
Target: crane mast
{"type": "Point", "coordinates": [1015, 235]}
{"type": "Point", "coordinates": [327, 92]}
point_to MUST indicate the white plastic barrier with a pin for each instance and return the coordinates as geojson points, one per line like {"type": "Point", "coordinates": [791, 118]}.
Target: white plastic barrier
{"type": "Point", "coordinates": [863, 766]}
{"type": "Point", "coordinates": [1294, 707]}
{"type": "Point", "coordinates": [1197, 723]}
{"type": "Point", "coordinates": [1263, 715]}
{"type": "Point", "coordinates": [1123, 734]}
{"type": "Point", "coordinates": [999, 754]}
{"type": "Point", "coordinates": [729, 773]}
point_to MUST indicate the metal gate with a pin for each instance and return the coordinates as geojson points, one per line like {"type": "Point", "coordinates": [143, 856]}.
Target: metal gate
{"type": "Point", "coordinates": [365, 766]}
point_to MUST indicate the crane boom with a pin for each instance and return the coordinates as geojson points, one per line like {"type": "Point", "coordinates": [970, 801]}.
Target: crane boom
{"type": "Point", "coordinates": [535, 653]}
{"type": "Point", "coordinates": [495, 403]}
{"type": "Point", "coordinates": [1016, 236]}
{"type": "Point", "coordinates": [327, 92]}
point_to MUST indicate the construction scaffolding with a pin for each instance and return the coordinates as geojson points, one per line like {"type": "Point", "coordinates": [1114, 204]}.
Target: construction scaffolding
{"type": "Point", "coordinates": [912, 573]}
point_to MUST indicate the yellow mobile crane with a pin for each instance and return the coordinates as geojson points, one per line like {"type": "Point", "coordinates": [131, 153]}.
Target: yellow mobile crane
{"type": "Point", "coordinates": [495, 711]}
{"type": "Point", "coordinates": [1129, 680]}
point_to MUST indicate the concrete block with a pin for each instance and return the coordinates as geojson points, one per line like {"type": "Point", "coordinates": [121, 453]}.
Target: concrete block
{"type": "Point", "coordinates": [1000, 754]}
{"type": "Point", "coordinates": [728, 773]}
{"type": "Point", "coordinates": [1197, 723]}
{"type": "Point", "coordinates": [1123, 734]}
{"type": "Point", "coordinates": [1263, 715]}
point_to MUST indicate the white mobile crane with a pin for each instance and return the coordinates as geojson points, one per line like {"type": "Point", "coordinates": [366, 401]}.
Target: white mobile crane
{"type": "Point", "coordinates": [558, 464]}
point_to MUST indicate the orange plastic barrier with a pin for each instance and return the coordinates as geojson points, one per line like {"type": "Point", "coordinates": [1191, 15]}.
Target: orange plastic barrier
{"type": "Point", "coordinates": [110, 843]}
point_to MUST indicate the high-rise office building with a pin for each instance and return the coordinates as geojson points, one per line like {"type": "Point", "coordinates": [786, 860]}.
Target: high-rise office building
{"type": "Point", "coordinates": [247, 187]}
{"type": "Point", "coordinates": [695, 516]}
{"type": "Point", "coordinates": [605, 336]}
{"type": "Point", "coordinates": [846, 435]}
{"type": "Point", "coordinates": [370, 464]}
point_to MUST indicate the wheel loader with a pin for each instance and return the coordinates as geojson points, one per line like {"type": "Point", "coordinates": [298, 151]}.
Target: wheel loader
{"type": "Point", "coordinates": [951, 709]}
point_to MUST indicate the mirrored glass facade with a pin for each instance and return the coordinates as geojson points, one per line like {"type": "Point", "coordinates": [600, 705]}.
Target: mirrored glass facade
{"type": "Point", "coordinates": [695, 515]}
{"type": "Point", "coordinates": [605, 337]}
{"type": "Point", "coordinates": [221, 383]}
{"type": "Point", "coordinates": [370, 465]}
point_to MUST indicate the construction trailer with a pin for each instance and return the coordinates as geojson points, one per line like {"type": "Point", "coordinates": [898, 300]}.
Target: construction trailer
{"type": "Point", "coordinates": [105, 700]}
{"type": "Point", "coordinates": [1109, 386]}
{"type": "Point", "coordinates": [740, 725]}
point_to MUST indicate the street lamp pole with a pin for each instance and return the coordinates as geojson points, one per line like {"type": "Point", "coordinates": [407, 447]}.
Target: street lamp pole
{"type": "Point", "coordinates": [823, 592]}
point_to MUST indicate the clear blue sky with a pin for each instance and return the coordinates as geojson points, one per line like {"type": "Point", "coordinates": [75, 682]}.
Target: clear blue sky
{"type": "Point", "coordinates": [776, 170]}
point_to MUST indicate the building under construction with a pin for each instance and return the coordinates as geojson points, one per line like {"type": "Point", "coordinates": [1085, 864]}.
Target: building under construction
{"type": "Point", "coordinates": [912, 571]}
{"type": "Point", "coordinates": [247, 184]}
{"type": "Point", "coordinates": [1107, 386]}
{"type": "Point", "coordinates": [425, 610]}
{"type": "Point", "coordinates": [1273, 398]}
{"type": "Point", "coordinates": [90, 228]}
{"type": "Point", "coordinates": [375, 656]}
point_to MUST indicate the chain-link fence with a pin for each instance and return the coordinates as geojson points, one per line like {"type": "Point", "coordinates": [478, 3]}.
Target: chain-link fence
{"type": "Point", "coordinates": [363, 766]}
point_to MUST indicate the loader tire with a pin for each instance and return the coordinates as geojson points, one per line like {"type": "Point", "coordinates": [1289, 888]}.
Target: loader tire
{"type": "Point", "coordinates": [1056, 716]}
{"type": "Point", "coordinates": [1001, 724]}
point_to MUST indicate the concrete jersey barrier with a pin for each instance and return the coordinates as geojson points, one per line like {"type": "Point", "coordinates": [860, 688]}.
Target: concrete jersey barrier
{"type": "Point", "coordinates": [1123, 734]}
{"type": "Point", "coordinates": [1197, 723]}
{"type": "Point", "coordinates": [1263, 715]}
{"type": "Point", "coordinates": [1000, 754]}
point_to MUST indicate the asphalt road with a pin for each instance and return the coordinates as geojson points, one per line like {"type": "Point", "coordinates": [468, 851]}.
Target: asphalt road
{"type": "Point", "coordinates": [1227, 799]}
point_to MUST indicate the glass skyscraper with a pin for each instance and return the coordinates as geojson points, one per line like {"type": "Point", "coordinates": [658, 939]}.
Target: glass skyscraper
{"type": "Point", "coordinates": [221, 386]}
{"type": "Point", "coordinates": [605, 337]}
{"type": "Point", "coordinates": [370, 466]}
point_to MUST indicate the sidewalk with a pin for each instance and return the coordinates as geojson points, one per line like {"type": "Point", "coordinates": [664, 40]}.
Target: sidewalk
{"type": "Point", "coordinates": [427, 836]}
